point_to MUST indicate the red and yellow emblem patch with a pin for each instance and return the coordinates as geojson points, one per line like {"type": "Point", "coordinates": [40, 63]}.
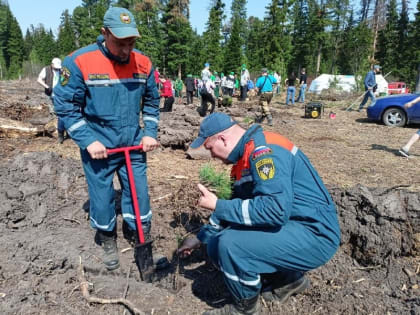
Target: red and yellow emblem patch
{"type": "Point", "coordinates": [265, 168]}
{"type": "Point", "coordinates": [125, 18]}
{"type": "Point", "coordinates": [64, 76]}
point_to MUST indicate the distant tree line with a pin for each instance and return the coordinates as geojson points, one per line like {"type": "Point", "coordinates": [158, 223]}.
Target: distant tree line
{"type": "Point", "coordinates": [324, 36]}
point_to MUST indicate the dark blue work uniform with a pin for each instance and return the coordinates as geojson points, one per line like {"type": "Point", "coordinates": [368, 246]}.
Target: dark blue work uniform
{"type": "Point", "coordinates": [101, 99]}
{"type": "Point", "coordinates": [281, 217]}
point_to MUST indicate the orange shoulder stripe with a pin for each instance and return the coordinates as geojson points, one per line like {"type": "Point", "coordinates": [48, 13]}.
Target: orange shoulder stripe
{"type": "Point", "coordinates": [275, 138]}
{"type": "Point", "coordinates": [94, 62]}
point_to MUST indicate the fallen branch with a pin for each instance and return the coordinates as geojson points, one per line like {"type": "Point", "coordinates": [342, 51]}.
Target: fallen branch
{"type": "Point", "coordinates": [71, 220]}
{"type": "Point", "coordinates": [162, 197]}
{"type": "Point", "coordinates": [84, 288]}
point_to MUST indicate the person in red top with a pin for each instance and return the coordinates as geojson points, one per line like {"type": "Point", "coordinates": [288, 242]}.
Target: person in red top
{"type": "Point", "coordinates": [157, 77]}
{"type": "Point", "coordinates": [167, 93]}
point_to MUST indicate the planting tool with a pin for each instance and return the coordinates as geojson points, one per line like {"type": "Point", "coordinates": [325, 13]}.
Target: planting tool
{"type": "Point", "coordinates": [143, 249]}
{"type": "Point", "coordinates": [356, 101]}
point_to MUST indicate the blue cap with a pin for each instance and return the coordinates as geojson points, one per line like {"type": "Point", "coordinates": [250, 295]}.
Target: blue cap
{"type": "Point", "coordinates": [206, 64]}
{"type": "Point", "coordinates": [212, 124]}
{"type": "Point", "coordinates": [121, 23]}
{"type": "Point", "coordinates": [376, 67]}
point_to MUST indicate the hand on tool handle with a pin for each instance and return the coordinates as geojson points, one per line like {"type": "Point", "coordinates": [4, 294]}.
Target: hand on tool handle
{"type": "Point", "coordinates": [98, 151]}
{"type": "Point", "coordinates": [149, 143]}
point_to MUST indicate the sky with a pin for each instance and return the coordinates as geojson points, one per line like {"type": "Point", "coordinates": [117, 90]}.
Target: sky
{"type": "Point", "coordinates": [48, 12]}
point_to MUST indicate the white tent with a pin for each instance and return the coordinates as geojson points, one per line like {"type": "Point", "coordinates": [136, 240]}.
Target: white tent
{"type": "Point", "coordinates": [345, 83]}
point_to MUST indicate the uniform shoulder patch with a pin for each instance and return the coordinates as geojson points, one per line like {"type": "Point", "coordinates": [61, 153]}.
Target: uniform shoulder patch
{"type": "Point", "coordinates": [64, 76]}
{"type": "Point", "coordinates": [260, 151]}
{"type": "Point", "coordinates": [265, 168]}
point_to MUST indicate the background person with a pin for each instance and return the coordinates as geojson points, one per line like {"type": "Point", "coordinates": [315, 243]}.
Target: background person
{"type": "Point", "coordinates": [291, 90]}
{"type": "Point", "coordinates": [179, 86]}
{"type": "Point", "coordinates": [280, 223]}
{"type": "Point", "coordinates": [167, 94]}
{"type": "Point", "coordinates": [190, 88]}
{"type": "Point", "coordinates": [48, 78]}
{"type": "Point", "coordinates": [205, 73]}
{"type": "Point", "coordinates": [302, 82]}
{"type": "Point", "coordinates": [244, 82]}
{"type": "Point", "coordinates": [101, 89]}
{"type": "Point", "coordinates": [370, 86]}
{"type": "Point", "coordinates": [230, 84]}
{"type": "Point", "coordinates": [415, 137]}
{"type": "Point", "coordinates": [265, 87]}
{"type": "Point", "coordinates": [207, 96]}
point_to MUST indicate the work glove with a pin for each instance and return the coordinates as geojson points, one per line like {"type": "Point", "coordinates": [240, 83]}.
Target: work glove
{"type": "Point", "coordinates": [48, 91]}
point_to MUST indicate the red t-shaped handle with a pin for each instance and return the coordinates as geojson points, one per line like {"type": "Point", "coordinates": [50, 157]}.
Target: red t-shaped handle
{"type": "Point", "coordinates": [126, 151]}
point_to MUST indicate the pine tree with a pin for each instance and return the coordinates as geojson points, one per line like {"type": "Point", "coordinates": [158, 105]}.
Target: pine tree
{"type": "Point", "coordinates": [278, 48]}
{"type": "Point", "coordinates": [151, 30]}
{"type": "Point", "coordinates": [11, 44]}
{"type": "Point", "coordinates": [212, 37]}
{"type": "Point", "coordinates": [234, 54]}
{"type": "Point", "coordinates": [66, 42]}
{"type": "Point", "coordinates": [28, 43]}
{"type": "Point", "coordinates": [88, 20]}
{"type": "Point", "coordinates": [44, 45]}
{"type": "Point", "coordinates": [403, 44]}
{"type": "Point", "coordinates": [339, 10]}
{"type": "Point", "coordinates": [3, 40]}
{"type": "Point", "coordinates": [196, 56]}
{"type": "Point", "coordinates": [300, 44]}
{"type": "Point", "coordinates": [178, 30]}
{"type": "Point", "coordinates": [356, 49]}
{"type": "Point", "coordinates": [414, 59]}
{"type": "Point", "coordinates": [388, 39]}
{"type": "Point", "coordinates": [14, 49]}
{"type": "Point", "coordinates": [254, 50]}
{"type": "Point", "coordinates": [317, 36]}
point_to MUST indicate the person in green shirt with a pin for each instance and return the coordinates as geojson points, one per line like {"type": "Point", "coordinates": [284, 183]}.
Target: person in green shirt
{"type": "Point", "coordinates": [179, 86]}
{"type": "Point", "coordinates": [237, 85]}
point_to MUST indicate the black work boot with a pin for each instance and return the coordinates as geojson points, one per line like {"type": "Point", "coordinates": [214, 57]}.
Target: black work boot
{"type": "Point", "coordinates": [270, 119]}
{"type": "Point", "coordinates": [282, 285]}
{"type": "Point", "coordinates": [60, 137]}
{"type": "Point", "coordinates": [108, 241]}
{"type": "Point", "coordinates": [250, 306]}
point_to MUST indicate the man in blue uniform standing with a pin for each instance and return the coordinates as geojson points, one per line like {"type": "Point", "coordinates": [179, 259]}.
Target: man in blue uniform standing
{"type": "Point", "coordinates": [370, 86]}
{"type": "Point", "coordinates": [280, 223]}
{"type": "Point", "coordinates": [102, 91]}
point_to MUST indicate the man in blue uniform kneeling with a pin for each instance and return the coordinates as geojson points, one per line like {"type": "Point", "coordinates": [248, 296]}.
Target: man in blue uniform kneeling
{"type": "Point", "coordinates": [280, 223]}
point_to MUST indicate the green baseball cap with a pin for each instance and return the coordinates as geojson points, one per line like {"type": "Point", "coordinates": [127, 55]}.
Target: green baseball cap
{"type": "Point", "coordinates": [121, 23]}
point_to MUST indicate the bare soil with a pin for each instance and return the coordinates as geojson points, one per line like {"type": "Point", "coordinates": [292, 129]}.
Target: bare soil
{"type": "Point", "coordinates": [45, 233]}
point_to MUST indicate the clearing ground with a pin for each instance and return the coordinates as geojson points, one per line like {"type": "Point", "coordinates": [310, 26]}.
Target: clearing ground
{"type": "Point", "coordinates": [45, 235]}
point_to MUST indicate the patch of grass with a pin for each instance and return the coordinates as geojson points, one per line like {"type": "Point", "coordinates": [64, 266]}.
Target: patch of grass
{"type": "Point", "coordinates": [219, 182]}
{"type": "Point", "coordinates": [248, 120]}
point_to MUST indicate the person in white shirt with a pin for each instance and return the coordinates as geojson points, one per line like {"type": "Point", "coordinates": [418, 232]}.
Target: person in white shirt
{"type": "Point", "coordinates": [205, 73]}
{"type": "Point", "coordinates": [48, 78]}
{"type": "Point", "coordinates": [244, 82]}
{"type": "Point", "coordinates": [207, 95]}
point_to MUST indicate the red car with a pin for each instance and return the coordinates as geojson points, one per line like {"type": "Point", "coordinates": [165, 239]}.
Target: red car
{"type": "Point", "coordinates": [398, 88]}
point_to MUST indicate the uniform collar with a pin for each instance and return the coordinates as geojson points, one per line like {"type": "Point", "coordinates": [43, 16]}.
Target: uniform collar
{"type": "Point", "coordinates": [238, 150]}
{"type": "Point", "coordinates": [101, 44]}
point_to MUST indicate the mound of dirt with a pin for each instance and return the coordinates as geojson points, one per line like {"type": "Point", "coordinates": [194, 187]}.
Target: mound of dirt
{"type": "Point", "coordinates": [45, 234]}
